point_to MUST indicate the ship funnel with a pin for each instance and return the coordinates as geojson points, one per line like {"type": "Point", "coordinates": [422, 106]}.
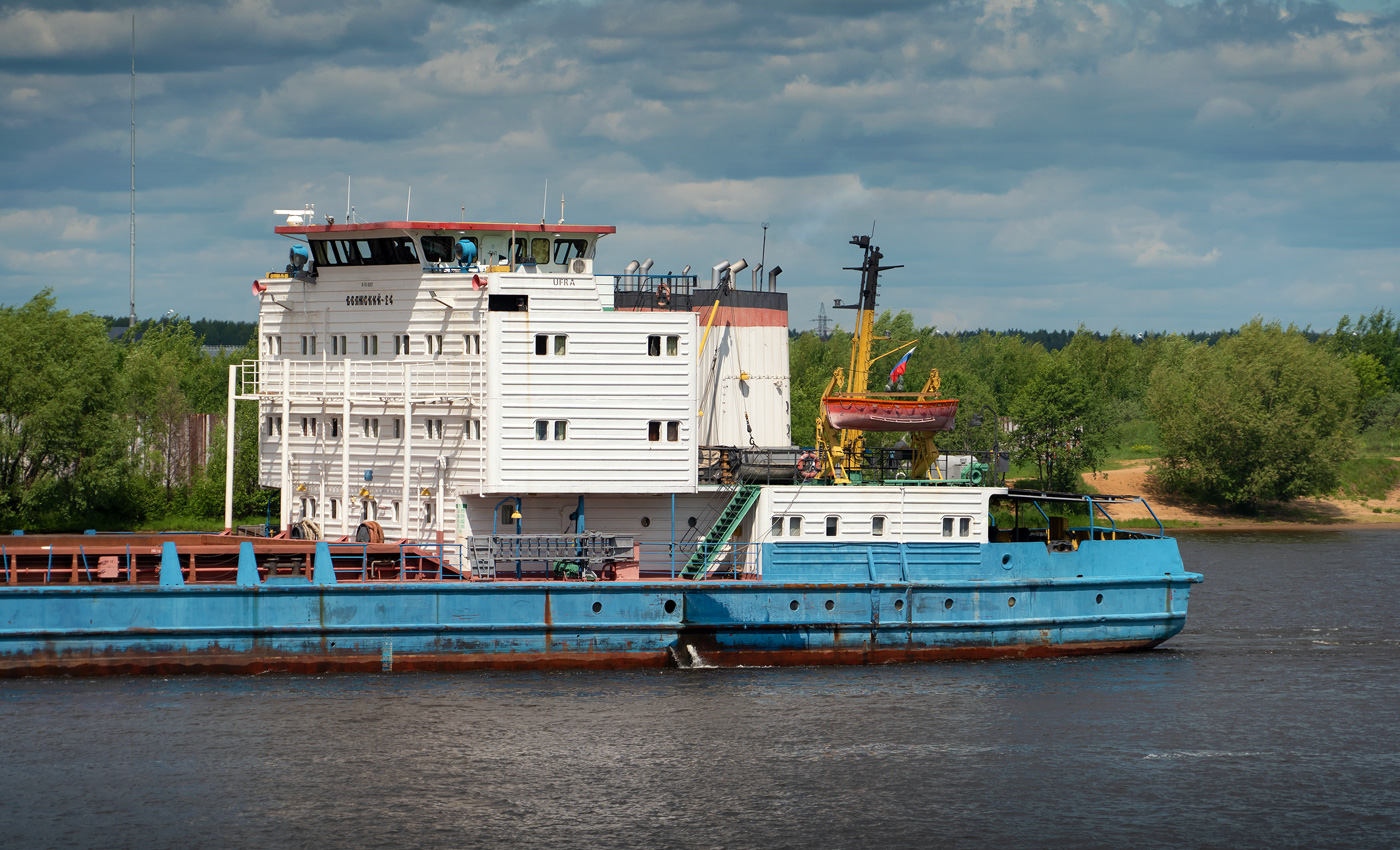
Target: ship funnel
{"type": "Point", "coordinates": [735, 268]}
{"type": "Point", "coordinates": [757, 270]}
{"type": "Point", "coordinates": [631, 267]}
{"type": "Point", "coordinates": [773, 278]}
{"type": "Point", "coordinates": [685, 271]}
{"type": "Point", "coordinates": [716, 272]}
{"type": "Point", "coordinates": [646, 266]}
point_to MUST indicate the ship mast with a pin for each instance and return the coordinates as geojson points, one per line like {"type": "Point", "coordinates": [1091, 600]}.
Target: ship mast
{"type": "Point", "coordinates": [858, 375]}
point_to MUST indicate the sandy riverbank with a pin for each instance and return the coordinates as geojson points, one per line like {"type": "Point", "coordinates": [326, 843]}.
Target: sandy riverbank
{"type": "Point", "coordinates": [1135, 479]}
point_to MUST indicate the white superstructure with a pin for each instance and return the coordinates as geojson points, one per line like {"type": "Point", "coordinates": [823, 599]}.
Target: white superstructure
{"type": "Point", "coordinates": [411, 373]}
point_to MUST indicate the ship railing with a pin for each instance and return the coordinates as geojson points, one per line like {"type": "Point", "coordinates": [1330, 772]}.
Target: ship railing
{"type": "Point", "coordinates": [363, 379]}
{"type": "Point", "coordinates": [657, 284]}
{"type": "Point", "coordinates": [728, 560]}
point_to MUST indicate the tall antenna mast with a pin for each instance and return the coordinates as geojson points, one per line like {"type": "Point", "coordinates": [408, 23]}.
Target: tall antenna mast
{"type": "Point", "coordinates": [544, 205]}
{"type": "Point", "coordinates": [131, 322]}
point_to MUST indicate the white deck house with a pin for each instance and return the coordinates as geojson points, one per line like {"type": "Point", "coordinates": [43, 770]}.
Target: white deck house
{"type": "Point", "coordinates": [440, 377]}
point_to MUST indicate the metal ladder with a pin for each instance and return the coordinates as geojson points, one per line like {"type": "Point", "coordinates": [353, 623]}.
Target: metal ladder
{"type": "Point", "coordinates": [705, 551]}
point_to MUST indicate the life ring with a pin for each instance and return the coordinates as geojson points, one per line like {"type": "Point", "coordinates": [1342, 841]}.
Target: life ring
{"type": "Point", "coordinates": [807, 466]}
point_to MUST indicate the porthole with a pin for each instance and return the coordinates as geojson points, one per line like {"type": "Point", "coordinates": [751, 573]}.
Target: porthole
{"type": "Point", "coordinates": [1011, 602]}
{"type": "Point", "coordinates": [899, 605]}
{"type": "Point", "coordinates": [646, 521]}
{"type": "Point", "coordinates": [597, 607]}
{"type": "Point", "coordinates": [793, 606]}
{"type": "Point", "coordinates": [670, 606]}
{"type": "Point", "coordinates": [947, 603]}
{"type": "Point", "coordinates": [830, 604]}
{"type": "Point", "coordinates": [1098, 600]}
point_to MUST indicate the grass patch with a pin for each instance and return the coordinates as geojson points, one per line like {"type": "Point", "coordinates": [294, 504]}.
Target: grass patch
{"type": "Point", "coordinates": [1138, 439]}
{"type": "Point", "coordinates": [1379, 442]}
{"type": "Point", "coordinates": [1367, 478]}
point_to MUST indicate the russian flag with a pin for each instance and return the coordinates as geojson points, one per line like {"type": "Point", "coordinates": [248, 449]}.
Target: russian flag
{"type": "Point", "coordinates": [899, 367]}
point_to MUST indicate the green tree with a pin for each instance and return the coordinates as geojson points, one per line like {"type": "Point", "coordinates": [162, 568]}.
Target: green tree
{"type": "Point", "coordinates": [1063, 424]}
{"type": "Point", "coordinates": [62, 440]}
{"type": "Point", "coordinates": [1259, 416]}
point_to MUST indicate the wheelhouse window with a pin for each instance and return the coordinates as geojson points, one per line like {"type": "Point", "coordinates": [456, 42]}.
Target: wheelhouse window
{"type": "Point", "coordinates": [393, 250]}
{"type": "Point", "coordinates": [438, 249]}
{"type": "Point", "coordinates": [567, 249]}
{"type": "Point", "coordinates": [530, 252]}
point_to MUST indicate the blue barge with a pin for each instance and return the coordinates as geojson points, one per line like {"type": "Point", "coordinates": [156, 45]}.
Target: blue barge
{"type": "Point", "coordinates": [491, 457]}
{"type": "Point", "coordinates": [815, 605]}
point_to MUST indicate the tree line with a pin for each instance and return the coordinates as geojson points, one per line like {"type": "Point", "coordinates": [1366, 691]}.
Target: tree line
{"type": "Point", "coordinates": [1260, 413]}
{"type": "Point", "coordinates": [94, 428]}
{"type": "Point", "coordinates": [92, 422]}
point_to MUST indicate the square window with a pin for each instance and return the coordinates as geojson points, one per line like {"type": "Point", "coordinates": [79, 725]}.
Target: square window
{"type": "Point", "coordinates": [654, 431]}
{"type": "Point", "coordinates": [877, 526]}
{"type": "Point", "coordinates": [560, 343]}
{"type": "Point", "coordinates": [673, 432]}
{"type": "Point", "coordinates": [831, 524]}
{"type": "Point", "coordinates": [947, 526]}
{"type": "Point", "coordinates": [794, 526]}
{"type": "Point", "coordinates": [777, 526]}
{"type": "Point", "coordinates": [541, 344]}
{"type": "Point", "coordinates": [653, 346]}
{"type": "Point", "coordinates": [965, 527]}
{"type": "Point", "coordinates": [673, 345]}
{"type": "Point", "coordinates": [561, 429]}
{"type": "Point", "coordinates": [541, 429]}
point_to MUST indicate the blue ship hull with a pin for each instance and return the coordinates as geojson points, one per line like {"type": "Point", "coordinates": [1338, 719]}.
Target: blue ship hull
{"type": "Point", "coordinates": [817, 603]}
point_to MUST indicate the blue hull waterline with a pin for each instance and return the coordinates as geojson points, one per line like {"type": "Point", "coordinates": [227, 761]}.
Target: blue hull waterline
{"type": "Point", "coordinates": [816, 603]}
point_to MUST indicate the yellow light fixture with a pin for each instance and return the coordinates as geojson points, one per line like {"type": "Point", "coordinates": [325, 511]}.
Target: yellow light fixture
{"type": "Point", "coordinates": [743, 376]}
{"type": "Point", "coordinates": [364, 492]}
{"type": "Point", "coordinates": [425, 492]}
{"type": "Point", "coordinates": [301, 488]}
{"type": "Point", "coordinates": [515, 514]}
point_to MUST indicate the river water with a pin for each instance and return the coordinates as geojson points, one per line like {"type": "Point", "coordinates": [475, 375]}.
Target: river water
{"type": "Point", "coordinates": [1272, 721]}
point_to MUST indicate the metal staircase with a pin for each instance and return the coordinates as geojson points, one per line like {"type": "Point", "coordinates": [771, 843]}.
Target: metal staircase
{"type": "Point", "coordinates": [714, 542]}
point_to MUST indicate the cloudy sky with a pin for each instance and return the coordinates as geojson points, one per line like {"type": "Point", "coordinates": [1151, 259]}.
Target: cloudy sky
{"type": "Point", "coordinates": [1033, 163]}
